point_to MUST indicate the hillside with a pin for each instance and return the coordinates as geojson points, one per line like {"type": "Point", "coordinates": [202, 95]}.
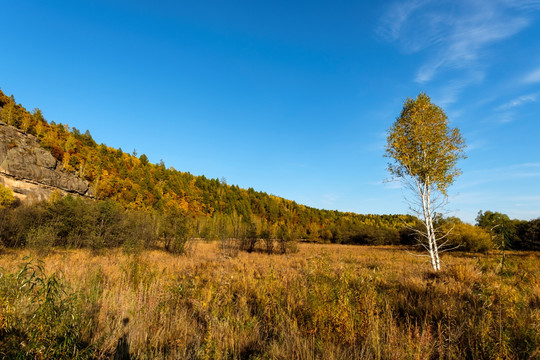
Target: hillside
{"type": "Point", "coordinates": [135, 183]}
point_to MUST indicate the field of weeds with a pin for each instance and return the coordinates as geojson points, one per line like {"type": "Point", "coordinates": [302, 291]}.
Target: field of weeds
{"type": "Point", "coordinates": [323, 302]}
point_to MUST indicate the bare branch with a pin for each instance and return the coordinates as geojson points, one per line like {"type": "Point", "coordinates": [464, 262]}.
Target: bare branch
{"type": "Point", "coordinates": [449, 249]}
{"type": "Point", "coordinates": [417, 255]}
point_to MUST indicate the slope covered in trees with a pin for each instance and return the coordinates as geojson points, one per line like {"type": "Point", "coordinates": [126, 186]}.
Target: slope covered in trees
{"type": "Point", "coordinates": [137, 184]}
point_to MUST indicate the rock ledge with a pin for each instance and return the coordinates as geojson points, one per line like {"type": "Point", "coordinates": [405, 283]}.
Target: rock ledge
{"type": "Point", "coordinates": [31, 171]}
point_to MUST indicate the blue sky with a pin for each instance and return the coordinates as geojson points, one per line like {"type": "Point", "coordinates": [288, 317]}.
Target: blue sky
{"type": "Point", "coordinates": [293, 98]}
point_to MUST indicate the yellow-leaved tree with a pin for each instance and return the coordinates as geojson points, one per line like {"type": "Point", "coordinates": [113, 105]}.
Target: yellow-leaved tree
{"type": "Point", "coordinates": [424, 151]}
{"type": "Point", "coordinates": [6, 196]}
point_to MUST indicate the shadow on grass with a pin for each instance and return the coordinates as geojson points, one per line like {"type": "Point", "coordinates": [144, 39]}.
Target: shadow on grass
{"type": "Point", "coordinates": [122, 347]}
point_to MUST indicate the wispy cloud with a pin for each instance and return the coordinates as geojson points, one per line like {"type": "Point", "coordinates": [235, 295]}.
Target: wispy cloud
{"type": "Point", "coordinates": [532, 77]}
{"type": "Point", "coordinates": [475, 145]}
{"type": "Point", "coordinates": [526, 198]}
{"type": "Point", "coordinates": [530, 165]}
{"type": "Point", "coordinates": [390, 184]}
{"type": "Point", "coordinates": [494, 175]}
{"type": "Point", "coordinates": [481, 178]}
{"type": "Point", "coordinates": [450, 92]}
{"type": "Point", "coordinates": [506, 117]}
{"type": "Point", "coordinates": [520, 101]}
{"type": "Point", "coordinates": [457, 32]}
{"type": "Point", "coordinates": [329, 199]}
{"type": "Point", "coordinates": [517, 207]}
{"type": "Point", "coordinates": [393, 23]}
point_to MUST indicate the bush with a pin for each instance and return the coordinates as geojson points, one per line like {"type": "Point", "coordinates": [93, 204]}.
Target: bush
{"type": "Point", "coordinates": [371, 235]}
{"type": "Point", "coordinates": [43, 237]}
{"type": "Point", "coordinates": [471, 238]}
{"type": "Point", "coordinates": [175, 230]}
{"type": "Point", "coordinates": [6, 196]}
{"type": "Point", "coordinates": [39, 316]}
{"type": "Point", "coordinates": [76, 223]}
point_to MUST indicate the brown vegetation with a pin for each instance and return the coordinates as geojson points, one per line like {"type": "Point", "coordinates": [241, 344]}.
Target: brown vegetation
{"type": "Point", "coordinates": [323, 302]}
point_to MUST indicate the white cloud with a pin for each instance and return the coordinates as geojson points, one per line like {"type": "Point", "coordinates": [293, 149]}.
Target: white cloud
{"type": "Point", "coordinates": [457, 32]}
{"type": "Point", "coordinates": [482, 178]}
{"type": "Point", "coordinates": [525, 4]}
{"type": "Point", "coordinates": [391, 26]}
{"type": "Point", "coordinates": [530, 165]}
{"type": "Point", "coordinates": [450, 92]}
{"type": "Point", "coordinates": [329, 199]}
{"type": "Point", "coordinates": [516, 171]}
{"type": "Point", "coordinates": [390, 184]}
{"type": "Point", "coordinates": [532, 77]}
{"type": "Point", "coordinates": [507, 117]}
{"type": "Point", "coordinates": [526, 198]}
{"type": "Point", "coordinates": [520, 101]}
{"type": "Point", "coordinates": [475, 145]}
{"type": "Point", "coordinates": [517, 207]}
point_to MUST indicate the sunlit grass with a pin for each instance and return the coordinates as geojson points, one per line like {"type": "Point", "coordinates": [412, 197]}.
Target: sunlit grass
{"type": "Point", "coordinates": [323, 302]}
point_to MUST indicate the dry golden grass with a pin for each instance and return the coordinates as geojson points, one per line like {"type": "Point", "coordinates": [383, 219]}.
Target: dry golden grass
{"type": "Point", "coordinates": [323, 302]}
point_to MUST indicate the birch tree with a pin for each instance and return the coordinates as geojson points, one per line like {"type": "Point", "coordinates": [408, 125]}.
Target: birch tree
{"type": "Point", "coordinates": [424, 152]}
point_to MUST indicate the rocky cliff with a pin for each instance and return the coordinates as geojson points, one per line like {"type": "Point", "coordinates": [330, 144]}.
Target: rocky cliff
{"type": "Point", "coordinates": [31, 171]}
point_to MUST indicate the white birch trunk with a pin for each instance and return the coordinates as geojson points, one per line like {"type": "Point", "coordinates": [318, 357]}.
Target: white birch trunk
{"type": "Point", "coordinates": [433, 249]}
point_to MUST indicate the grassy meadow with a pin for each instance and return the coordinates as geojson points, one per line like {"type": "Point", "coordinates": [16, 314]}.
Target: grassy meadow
{"type": "Point", "coordinates": [322, 302]}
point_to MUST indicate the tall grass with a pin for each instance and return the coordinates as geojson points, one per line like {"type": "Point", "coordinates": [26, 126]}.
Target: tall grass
{"type": "Point", "coordinates": [323, 302]}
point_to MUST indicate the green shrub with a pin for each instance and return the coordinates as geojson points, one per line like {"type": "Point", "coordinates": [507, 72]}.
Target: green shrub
{"type": "Point", "coordinates": [43, 237]}
{"type": "Point", "coordinates": [39, 316]}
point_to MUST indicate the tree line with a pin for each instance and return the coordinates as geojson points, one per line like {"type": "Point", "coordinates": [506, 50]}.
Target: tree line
{"type": "Point", "coordinates": [77, 222]}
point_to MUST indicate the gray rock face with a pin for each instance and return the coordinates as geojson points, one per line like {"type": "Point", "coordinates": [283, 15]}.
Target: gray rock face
{"type": "Point", "coordinates": [28, 168]}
